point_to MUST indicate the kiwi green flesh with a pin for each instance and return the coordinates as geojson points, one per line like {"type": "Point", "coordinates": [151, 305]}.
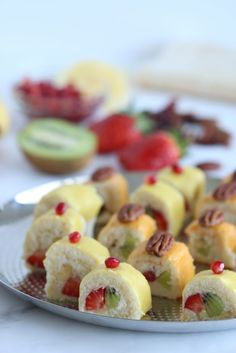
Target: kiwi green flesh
{"type": "Point", "coordinates": [112, 297]}
{"type": "Point", "coordinates": [56, 139]}
{"type": "Point", "coordinates": [164, 279]}
{"type": "Point", "coordinates": [203, 248]}
{"type": "Point", "coordinates": [214, 305]}
{"type": "Point", "coordinates": [128, 246]}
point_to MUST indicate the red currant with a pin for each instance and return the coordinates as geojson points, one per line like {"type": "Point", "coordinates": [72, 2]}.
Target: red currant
{"type": "Point", "coordinates": [60, 208]}
{"type": "Point", "coordinates": [112, 262]}
{"type": "Point", "coordinates": [217, 267]}
{"type": "Point", "coordinates": [177, 169]}
{"type": "Point", "coordinates": [150, 179]}
{"type": "Point", "coordinates": [74, 237]}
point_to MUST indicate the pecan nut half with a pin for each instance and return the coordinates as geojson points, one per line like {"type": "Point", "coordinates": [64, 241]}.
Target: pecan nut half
{"type": "Point", "coordinates": [225, 191]}
{"type": "Point", "coordinates": [102, 174]}
{"type": "Point", "coordinates": [130, 212]}
{"type": "Point", "coordinates": [159, 243]}
{"type": "Point", "coordinates": [211, 218]}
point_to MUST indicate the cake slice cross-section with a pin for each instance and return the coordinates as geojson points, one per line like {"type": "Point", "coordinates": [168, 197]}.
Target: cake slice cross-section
{"type": "Point", "coordinates": [126, 229]}
{"type": "Point", "coordinates": [163, 202]}
{"type": "Point", "coordinates": [166, 264]}
{"type": "Point", "coordinates": [48, 228]}
{"type": "Point", "coordinates": [115, 289]}
{"type": "Point", "coordinates": [67, 261]}
{"type": "Point", "coordinates": [210, 295]}
{"type": "Point", "coordinates": [211, 238]}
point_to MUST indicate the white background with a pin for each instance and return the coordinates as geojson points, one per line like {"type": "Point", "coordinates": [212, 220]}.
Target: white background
{"type": "Point", "coordinates": [39, 38]}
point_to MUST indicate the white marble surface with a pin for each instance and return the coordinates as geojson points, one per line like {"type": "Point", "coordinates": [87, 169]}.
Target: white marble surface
{"type": "Point", "coordinates": [38, 38]}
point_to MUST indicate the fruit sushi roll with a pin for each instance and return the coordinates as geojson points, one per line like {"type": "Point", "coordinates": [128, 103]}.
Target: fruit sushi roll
{"type": "Point", "coordinates": [81, 197]}
{"type": "Point", "coordinates": [210, 295]}
{"type": "Point", "coordinates": [190, 181]}
{"type": "Point", "coordinates": [67, 261]}
{"type": "Point", "coordinates": [163, 202]}
{"type": "Point", "coordinates": [115, 289]}
{"type": "Point", "coordinates": [113, 188]}
{"type": "Point", "coordinates": [48, 228]}
{"type": "Point", "coordinates": [222, 198]}
{"type": "Point", "coordinates": [166, 264]}
{"type": "Point", "coordinates": [211, 238]}
{"type": "Point", "coordinates": [126, 229]}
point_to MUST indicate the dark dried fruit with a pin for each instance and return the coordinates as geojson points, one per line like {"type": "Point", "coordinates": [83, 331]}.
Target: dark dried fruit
{"type": "Point", "coordinates": [225, 191]}
{"type": "Point", "coordinates": [130, 212]}
{"type": "Point", "coordinates": [211, 218]}
{"type": "Point", "coordinates": [209, 166]}
{"type": "Point", "coordinates": [102, 174]}
{"type": "Point", "coordinates": [159, 243]}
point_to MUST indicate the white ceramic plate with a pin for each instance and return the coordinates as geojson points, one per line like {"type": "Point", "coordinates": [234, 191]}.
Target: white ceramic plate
{"type": "Point", "coordinates": [15, 218]}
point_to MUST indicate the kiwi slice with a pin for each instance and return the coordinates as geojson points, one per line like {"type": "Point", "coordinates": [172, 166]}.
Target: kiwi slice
{"type": "Point", "coordinates": [56, 146]}
{"type": "Point", "coordinates": [164, 279]}
{"type": "Point", "coordinates": [203, 247]}
{"type": "Point", "coordinates": [112, 297]}
{"type": "Point", "coordinates": [213, 304]}
{"type": "Point", "coordinates": [128, 246]}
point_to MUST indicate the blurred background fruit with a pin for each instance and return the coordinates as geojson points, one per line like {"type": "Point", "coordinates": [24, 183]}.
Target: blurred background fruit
{"type": "Point", "coordinates": [4, 119]}
{"type": "Point", "coordinates": [98, 79]}
{"type": "Point", "coordinates": [152, 152]}
{"type": "Point", "coordinates": [42, 99]}
{"type": "Point", "coordinates": [56, 146]}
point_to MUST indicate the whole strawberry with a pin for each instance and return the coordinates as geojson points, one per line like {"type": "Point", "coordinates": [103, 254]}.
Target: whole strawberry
{"type": "Point", "coordinates": [115, 132]}
{"type": "Point", "coordinates": [153, 152]}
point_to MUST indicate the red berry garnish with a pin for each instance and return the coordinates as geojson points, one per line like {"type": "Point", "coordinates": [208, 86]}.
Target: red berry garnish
{"type": "Point", "coordinates": [60, 208]}
{"type": "Point", "coordinates": [150, 276]}
{"type": "Point", "coordinates": [217, 267]}
{"type": "Point", "coordinates": [71, 287]}
{"type": "Point", "coordinates": [95, 300]}
{"type": "Point", "coordinates": [150, 180]}
{"type": "Point", "coordinates": [36, 259]}
{"type": "Point", "coordinates": [194, 303]}
{"type": "Point", "coordinates": [160, 220]}
{"type": "Point", "coordinates": [177, 169]}
{"type": "Point", "coordinates": [112, 262]}
{"type": "Point", "coordinates": [74, 237]}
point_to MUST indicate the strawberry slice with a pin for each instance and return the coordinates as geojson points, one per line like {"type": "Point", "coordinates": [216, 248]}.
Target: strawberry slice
{"type": "Point", "coordinates": [152, 152]}
{"type": "Point", "coordinates": [71, 287]}
{"type": "Point", "coordinates": [95, 300]}
{"type": "Point", "coordinates": [115, 132]}
{"type": "Point", "coordinates": [194, 303]}
{"type": "Point", "coordinates": [36, 259]}
{"type": "Point", "coordinates": [160, 220]}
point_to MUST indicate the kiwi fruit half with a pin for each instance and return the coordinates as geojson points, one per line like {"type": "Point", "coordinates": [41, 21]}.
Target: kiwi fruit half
{"type": "Point", "coordinates": [56, 146]}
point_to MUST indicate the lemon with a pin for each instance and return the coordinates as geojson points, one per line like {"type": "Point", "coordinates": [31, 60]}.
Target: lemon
{"type": "Point", "coordinates": [98, 79]}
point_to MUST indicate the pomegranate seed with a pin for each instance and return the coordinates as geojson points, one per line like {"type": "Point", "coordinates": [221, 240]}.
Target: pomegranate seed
{"type": "Point", "coordinates": [150, 276]}
{"type": "Point", "coordinates": [112, 262]}
{"type": "Point", "coordinates": [60, 208]}
{"type": "Point", "coordinates": [217, 267]}
{"type": "Point", "coordinates": [177, 169]}
{"type": "Point", "coordinates": [74, 237]}
{"type": "Point", "coordinates": [150, 179]}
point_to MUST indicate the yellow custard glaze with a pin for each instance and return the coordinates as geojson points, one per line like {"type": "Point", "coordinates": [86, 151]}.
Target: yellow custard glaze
{"type": "Point", "coordinates": [191, 182]}
{"type": "Point", "coordinates": [227, 277]}
{"type": "Point", "coordinates": [82, 197]}
{"type": "Point", "coordinates": [164, 198]}
{"type": "Point", "coordinates": [87, 245]}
